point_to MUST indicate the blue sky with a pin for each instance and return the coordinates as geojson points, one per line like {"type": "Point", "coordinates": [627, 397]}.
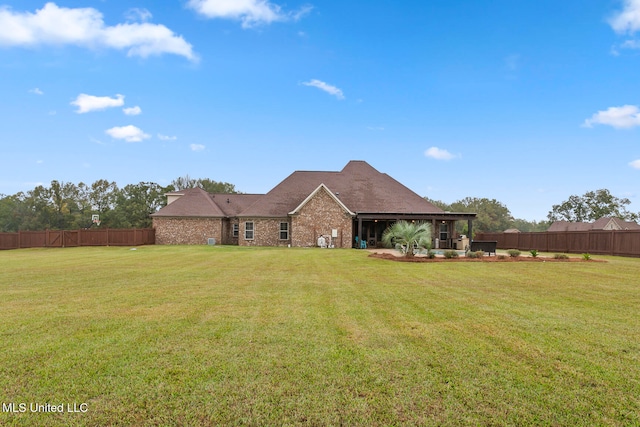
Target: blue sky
{"type": "Point", "coordinates": [526, 102]}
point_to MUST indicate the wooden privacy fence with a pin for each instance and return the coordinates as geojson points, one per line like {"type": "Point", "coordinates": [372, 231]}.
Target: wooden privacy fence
{"type": "Point", "coordinates": [82, 237]}
{"type": "Point", "coordinates": [602, 242]}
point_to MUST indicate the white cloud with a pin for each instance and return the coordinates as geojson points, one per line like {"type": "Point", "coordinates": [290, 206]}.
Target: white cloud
{"type": "Point", "coordinates": [630, 44]}
{"type": "Point", "coordinates": [438, 154]}
{"type": "Point", "coordinates": [330, 89]}
{"type": "Point", "coordinates": [635, 164]}
{"type": "Point", "coordinates": [137, 14]}
{"type": "Point", "coordinates": [87, 103]}
{"type": "Point", "coordinates": [132, 111]}
{"type": "Point", "coordinates": [166, 137]}
{"type": "Point", "coordinates": [197, 147]}
{"type": "Point", "coordinates": [36, 91]}
{"type": "Point", "coordinates": [249, 12]}
{"type": "Point", "coordinates": [53, 25]}
{"type": "Point", "coordinates": [128, 133]}
{"type": "Point", "coordinates": [624, 117]}
{"type": "Point", "coordinates": [627, 20]}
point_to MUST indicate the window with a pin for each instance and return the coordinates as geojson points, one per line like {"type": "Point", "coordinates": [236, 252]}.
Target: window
{"type": "Point", "coordinates": [284, 231]}
{"type": "Point", "coordinates": [444, 231]}
{"type": "Point", "coordinates": [236, 227]}
{"type": "Point", "coordinates": [248, 230]}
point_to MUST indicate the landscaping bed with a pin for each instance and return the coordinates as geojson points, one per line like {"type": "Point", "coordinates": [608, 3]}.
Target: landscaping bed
{"type": "Point", "coordinates": [498, 258]}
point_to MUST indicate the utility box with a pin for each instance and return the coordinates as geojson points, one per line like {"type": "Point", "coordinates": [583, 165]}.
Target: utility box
{"type": "Point", "coordinates": [462, 243]}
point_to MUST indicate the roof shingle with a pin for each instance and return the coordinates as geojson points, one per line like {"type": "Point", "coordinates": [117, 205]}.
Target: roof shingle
{"type": "Point", "coordinates": [359, 186]}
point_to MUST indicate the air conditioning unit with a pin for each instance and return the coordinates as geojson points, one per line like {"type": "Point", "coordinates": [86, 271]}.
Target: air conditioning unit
{"type": "Point", "coordinates": [211, 241]}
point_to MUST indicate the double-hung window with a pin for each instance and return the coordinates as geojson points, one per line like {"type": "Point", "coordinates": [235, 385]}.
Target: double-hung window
{"type": "Point", "coordinates": [248, 230]}
{"type": "Point", "coordinates": [236, 228]}
{"type": "Point", "coordinates": [284, 231]}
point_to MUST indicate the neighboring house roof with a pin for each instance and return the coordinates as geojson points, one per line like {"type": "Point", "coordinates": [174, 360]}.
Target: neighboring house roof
{"type": "Point", "coordinates": [614, 224]}
{"type": "Point", "coordinates": [512, 230]}
{"type": "Point", "coordinates": [605, 223]}
{"type": "Point", "coordinates": [569, 226]}
{"type": "Point", "coordinates": [358, 186]}
{"type": "Point", "coordinates": [196, 202]}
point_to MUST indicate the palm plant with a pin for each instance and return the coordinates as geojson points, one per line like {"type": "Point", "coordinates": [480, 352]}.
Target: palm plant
{"type": "Point", "coordinates": [408, 236]}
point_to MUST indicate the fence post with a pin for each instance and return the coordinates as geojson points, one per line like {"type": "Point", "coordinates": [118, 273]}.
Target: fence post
{"type": "Point", "coordinates": [108, 237]}
{"type": "Point", "coordinates": [613, 240]}
{"type": "Point", "coordinates": [546, 241]}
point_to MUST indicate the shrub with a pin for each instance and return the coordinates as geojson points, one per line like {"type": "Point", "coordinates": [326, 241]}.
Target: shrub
{"type": "Point", "coordinates": [431, 254]}
{"type": "Point", "coordinates": [561, 256]}
{"type": "Point", "coordinates": [586, 257]}
{"type": "Point", "coordinates": [450, 254]}
{"type": "Point", "coordinates": [502, 257]}
{"type": "Point", "coordinates": [513, 253]}
{"type": "Point", "coordinates": [534, 253]}
{"type": "Point", "coordinates": [476, 254]}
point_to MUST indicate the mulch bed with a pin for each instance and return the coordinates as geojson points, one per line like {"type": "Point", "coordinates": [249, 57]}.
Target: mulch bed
{"type": "Point", "coordinates": [494, 258]}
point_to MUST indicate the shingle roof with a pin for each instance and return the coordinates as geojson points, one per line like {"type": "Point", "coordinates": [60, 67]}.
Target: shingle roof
{"type": "Point", "coordinates": [570, 226]}
{"type": "Point", "coordinates": [195, 202]}
{"type": "Point", "coordinates": [359, 186]}
{"type": "Point", "coordinates": [599, 224]}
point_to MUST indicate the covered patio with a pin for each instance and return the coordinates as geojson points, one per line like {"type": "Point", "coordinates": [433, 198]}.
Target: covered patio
{"type": "Point", "coordinates": [368, 228]}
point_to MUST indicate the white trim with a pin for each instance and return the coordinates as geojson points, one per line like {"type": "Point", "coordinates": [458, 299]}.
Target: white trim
{"type": "Point", "coordinates": [310, 196]}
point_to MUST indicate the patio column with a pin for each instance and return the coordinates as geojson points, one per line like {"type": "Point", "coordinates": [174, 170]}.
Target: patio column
{"type": "Point", "coordinates": [359, 233]}
{"type": "Point", "coordinates": [470, 229]}
{"type": "Point", "coordinates": [434, 233]}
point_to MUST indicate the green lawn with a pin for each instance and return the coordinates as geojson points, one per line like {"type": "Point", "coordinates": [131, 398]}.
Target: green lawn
{"type": "Point", "coordinates": [203, 335]}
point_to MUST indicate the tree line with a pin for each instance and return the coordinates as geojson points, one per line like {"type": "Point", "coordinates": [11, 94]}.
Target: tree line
{"type": "Point", "coordinates": [65, 205]}
{"type": "Point", "coordinates": [493, 216]}
{"type": "Point", "coordinates": [70, 206]}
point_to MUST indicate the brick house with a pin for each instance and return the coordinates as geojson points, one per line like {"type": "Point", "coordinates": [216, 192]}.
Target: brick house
{"type": "Point", "coordinates": [353, 205]}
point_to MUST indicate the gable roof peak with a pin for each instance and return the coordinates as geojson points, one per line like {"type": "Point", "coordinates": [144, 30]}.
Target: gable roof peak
{"type": "Point", "coordinates": [329, 192]}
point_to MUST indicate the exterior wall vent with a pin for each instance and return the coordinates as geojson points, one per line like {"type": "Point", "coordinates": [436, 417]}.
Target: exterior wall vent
{"type": "Point", "coordinates": [211, 241]}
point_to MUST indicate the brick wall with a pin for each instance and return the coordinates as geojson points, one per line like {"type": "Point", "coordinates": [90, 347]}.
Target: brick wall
{"type": "Point", "coordinates": [227, 231]}
{"type": "Point", "coordinates": [266, 232]}
{"type": "Point", "coordinates": [320, 216]}
{"type": "Point", "coordinates": [187, 231]}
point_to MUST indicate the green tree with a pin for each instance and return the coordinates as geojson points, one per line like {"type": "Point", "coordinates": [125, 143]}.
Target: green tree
{"type": "Point", "coordinates": [206, 184]}
{"type": "Point", "coordinates": [64, 199]}
{"type": "Point", "coordinates": [440, 204]}
{"type": "Point", "coordinates": [103, 196]}
{"type": "Point", "coordinates": [405, 236]}
{"type": "Point", "coordinates": [492, 216]}
{"type": "Point", "coordinates": [528, 226]}
{"type": "Point", "coordinates": [591, 206]}
{"type": "Point", "coordinates": [135, 202]}
{"type": "Point", "coordinates": [12, 212]}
